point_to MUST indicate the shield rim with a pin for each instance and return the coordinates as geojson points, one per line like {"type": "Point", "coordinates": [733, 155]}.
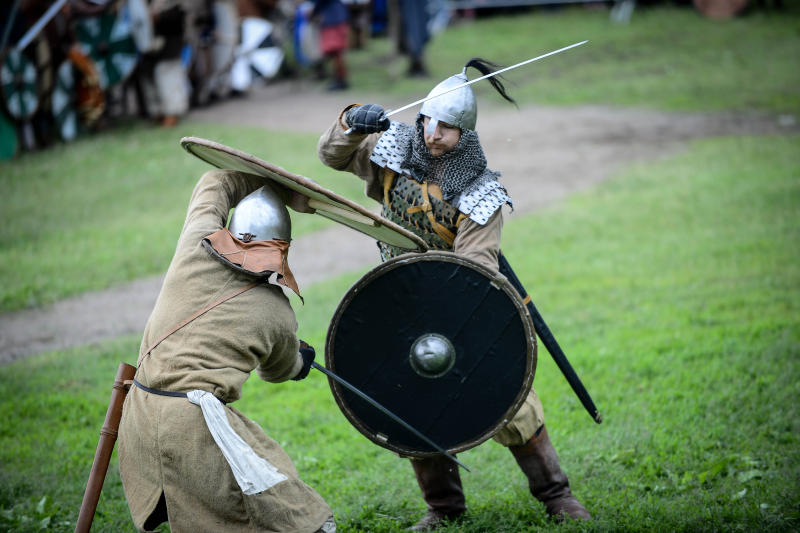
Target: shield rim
{"type": "Point", "coordinates": [497, 279]}
{"type": "Point", "coordinates": [305, 186]}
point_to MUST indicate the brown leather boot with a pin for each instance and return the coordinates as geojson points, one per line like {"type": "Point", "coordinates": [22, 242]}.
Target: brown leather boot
{"type": "Point", "coordinates": [538, 460]}
{"type": "Point", "coordinates": [440, 483]}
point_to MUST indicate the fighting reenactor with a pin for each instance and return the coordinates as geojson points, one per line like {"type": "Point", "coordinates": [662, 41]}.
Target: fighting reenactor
{"type": "Point", "coordinates": [431, 178]}
{"type": "Point", "coordinates": [185, 454]}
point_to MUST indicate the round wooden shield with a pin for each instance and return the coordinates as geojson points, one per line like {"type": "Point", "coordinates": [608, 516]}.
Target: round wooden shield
{"type": "Point", "coordinates": [327, 203]}
{"type": "Point", "coordinates": [64, 101]}
{"type": "Point", "coordinates": [108, 41]}
{"type": "Point", "coordinates": [256, 55]}
{"type": "Point", "coordinates": [18, 85]}
{"type": "Point", "coordinates": [438, 340]}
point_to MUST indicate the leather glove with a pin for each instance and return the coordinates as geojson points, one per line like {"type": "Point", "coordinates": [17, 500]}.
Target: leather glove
{"type": "Point", "coordinates": [369, 118]}
{"type": "Point", "coordinates": [307, 353]}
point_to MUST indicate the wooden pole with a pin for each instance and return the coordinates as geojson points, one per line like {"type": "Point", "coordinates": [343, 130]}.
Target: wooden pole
{"type": "Point", "coordinates": [102, 456]}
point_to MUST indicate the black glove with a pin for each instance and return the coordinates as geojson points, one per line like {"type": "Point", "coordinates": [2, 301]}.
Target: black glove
{"type": "Point", "coordinates": [369, 118]}
{"type": "Point", "coordinates": [307, 353]}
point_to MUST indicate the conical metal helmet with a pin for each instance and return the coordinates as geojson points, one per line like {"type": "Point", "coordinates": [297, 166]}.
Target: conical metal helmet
{"type": "Point", "coordinates": [261, 216]}
{"type": "Point", "coordinates": [458, 108]}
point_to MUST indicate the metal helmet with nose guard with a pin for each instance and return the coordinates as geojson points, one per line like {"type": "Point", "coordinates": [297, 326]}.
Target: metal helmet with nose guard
{"type": "Point", "coordinates": [459, 107]}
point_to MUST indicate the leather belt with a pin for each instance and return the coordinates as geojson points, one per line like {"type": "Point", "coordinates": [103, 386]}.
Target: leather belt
{"type": "Point", "coordinates": [164, 392]}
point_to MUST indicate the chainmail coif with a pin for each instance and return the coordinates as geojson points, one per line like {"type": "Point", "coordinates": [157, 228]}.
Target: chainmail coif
{"type": "Point", "coordinates": [461, 170]}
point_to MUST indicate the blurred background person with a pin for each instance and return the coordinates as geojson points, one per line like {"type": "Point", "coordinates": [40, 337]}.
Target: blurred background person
{"type": "Point", "coordinates": [166, 80]}
{"type": "Point", "coordinates": [360, 14]}
{"type": "Point", "coordinates": [409, 22]}
{"type": "Point", "coordinates": [333, 38]}
{"type": "Point", "coordinates": [186, 456]}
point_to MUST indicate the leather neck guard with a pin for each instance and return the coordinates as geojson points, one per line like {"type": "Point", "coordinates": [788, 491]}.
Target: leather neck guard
{"type": "Point", "coordinates": [256, 258]}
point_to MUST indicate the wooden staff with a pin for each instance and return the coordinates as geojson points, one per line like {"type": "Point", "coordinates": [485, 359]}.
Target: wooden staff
{"type": "Point", "coordinates": [102, 456]}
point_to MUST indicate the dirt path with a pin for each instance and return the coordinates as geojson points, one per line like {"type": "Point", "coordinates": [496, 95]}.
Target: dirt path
{"type": "Point", "coordinates": [543, 153]}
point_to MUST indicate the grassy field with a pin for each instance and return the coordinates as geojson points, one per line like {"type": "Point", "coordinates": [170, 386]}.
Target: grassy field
{"type": "Point", "coordinates": [668, 58]}
{"type": "Point", "coordinates": [673, 288]}
{"type": "Point", "coordinates": [673, 291]}
{"type": "Point", "coordinates": [99, 206]}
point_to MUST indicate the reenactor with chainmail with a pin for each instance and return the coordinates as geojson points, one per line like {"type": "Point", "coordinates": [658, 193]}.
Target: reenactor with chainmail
{"type": "Point", "coordinates": [185, 454]}
{"type": "Point", "coordinates": [431, 178]}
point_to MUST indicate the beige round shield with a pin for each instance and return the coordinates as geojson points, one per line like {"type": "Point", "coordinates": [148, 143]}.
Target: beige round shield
{"type": "Point", "coordinates": [326, 203]}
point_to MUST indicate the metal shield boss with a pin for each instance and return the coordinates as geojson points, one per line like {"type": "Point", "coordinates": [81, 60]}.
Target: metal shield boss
{"type": "Point", "coordinates": [440, 341]}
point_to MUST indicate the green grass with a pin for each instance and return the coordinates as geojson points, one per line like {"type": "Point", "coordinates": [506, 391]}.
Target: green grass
{"type": "Point", "coordinates": [674, 290]}
{"type": "Point", "coordinates": [666, 58]}
{"type": "Point", "coordinates": [108, 208]}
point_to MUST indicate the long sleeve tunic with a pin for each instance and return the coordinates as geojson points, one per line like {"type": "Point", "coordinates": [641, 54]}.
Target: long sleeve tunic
{"type": "Point", "coordinates": [164, 445]}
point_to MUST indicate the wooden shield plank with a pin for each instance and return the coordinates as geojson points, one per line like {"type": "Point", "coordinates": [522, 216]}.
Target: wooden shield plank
{"type": "Point", "coordinates": [327, 203]}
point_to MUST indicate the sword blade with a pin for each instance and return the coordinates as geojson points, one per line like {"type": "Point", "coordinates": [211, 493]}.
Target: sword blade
{"type": "Point", "coordinates": [388, 413]}
{"type": "Point", "coordinates": [550, 342]}
{"type": "Point", "coordinates": [36, 28]}
{"type": "Point", "coordinates": [495, 73]}
{"type": "Point", "coordinates": [470, 82]}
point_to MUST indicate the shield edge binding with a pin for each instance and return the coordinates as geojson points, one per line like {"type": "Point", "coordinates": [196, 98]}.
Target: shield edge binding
{"type": "Point", "coordinates": [304, 185]}
{"type": "Point", "coordinates": [496, 279]}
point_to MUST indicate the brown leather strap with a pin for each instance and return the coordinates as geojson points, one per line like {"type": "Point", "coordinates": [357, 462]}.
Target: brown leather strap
{"type": "Point", "coordinates": [202, 311]}
{"type": "Point", "coordinates": [441, 230]}
{"type": "Point", "coordinates": [448, 236]}
{"type": "Point", "coordinates": [388, 181]}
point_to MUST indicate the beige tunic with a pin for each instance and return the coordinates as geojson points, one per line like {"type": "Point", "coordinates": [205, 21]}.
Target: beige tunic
{"type": "Point", "coordinates": [480, 243]}
{"type": "Point", "coordinates": [164, 443]}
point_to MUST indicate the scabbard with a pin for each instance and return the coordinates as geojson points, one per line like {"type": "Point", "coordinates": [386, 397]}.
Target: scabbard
{"type": "Point", "coordinates": [105, 446]}
{"type": "Point", "coordinates": [550, 342]}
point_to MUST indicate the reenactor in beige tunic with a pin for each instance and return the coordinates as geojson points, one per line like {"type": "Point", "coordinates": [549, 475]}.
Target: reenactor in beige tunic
{"type": "Point", "coordinates": [431, 178]}
{"type": "Point", "coordinates": [185, 454]}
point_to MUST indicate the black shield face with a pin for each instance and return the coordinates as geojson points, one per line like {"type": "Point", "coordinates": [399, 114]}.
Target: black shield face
{"type": "Point", "coordinates": [439, 341]}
